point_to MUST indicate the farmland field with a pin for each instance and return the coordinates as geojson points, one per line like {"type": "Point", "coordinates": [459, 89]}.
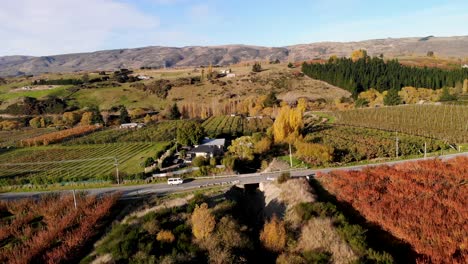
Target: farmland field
{"type": "Point", "coordinates": [446, 122]}
{"type": "Point", "coordinates": [58, 136]}
{"type": "Point", "coordinates": [162, 131]}
{"type": "Point", "coordinates": [50, 230]}
{"type": "Point", "coordinates": [235, 125]}
{"type": "Point", "coordinates": [356, 143]}
{"type": "Point", "coordinates": [423, 203]}
{"type": "Point", "coordinates": [52, 164]}
{"type": "Point", "coordinates": [11, 138]}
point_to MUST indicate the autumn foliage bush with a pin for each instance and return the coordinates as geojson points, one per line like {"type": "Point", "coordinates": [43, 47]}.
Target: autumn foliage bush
{"type": "Point", "coordinates": [50, 230]}
{"type": "Point", "coordinates": [203, 222]}
{"type": "Point", "coordinates": [273, 235]}
{"type": "Point", "coordinates": [313, 153]}
{"type": "Point", "coordinates": [423, 203]}
{"type": "Point", "coordinates": [59, 136]}
{"type": "Point", "coordinates": [165, 236]}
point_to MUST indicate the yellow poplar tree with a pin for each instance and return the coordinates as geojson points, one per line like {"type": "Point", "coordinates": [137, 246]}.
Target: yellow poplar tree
{"type": "Point", "coordinates": [358, 54]}
{"type": "Point", "coordinates": [70, 118]}
{"type": "Point", "coordinates": [465, 86]}
{"type": "Point", "coordinates": [35, 122]}
{"type": "Point", "coordinates": [43, 122]}
{"type": "Point", "coordinates": [273, 235]}
{"type": "Point", "coordinates": [147, 119]}
{"type": "Point", "coordinates": [86, 118]}
{"type": "Point", "coordinates": [203, 222]}
{"type": "Point", "coordinates": [288, 124]}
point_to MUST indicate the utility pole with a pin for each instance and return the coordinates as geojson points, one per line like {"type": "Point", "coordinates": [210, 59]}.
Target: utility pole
{"type": "Point", "coordinates": [116, 163]}
{"type": "Point", "coordinates": [74, 198]}
{"type": "Point", "coordinates": [396, 144]}
{"type": "Point", "coordinates": [290, 155]}
{"type": "Point", "coordinates": [425, 149]}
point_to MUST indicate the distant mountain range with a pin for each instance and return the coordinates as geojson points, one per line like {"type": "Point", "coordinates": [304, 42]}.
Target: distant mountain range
{"type": "Point", "coordinates": [223, 55]}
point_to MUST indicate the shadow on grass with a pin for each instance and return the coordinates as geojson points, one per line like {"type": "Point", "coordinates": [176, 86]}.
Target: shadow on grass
{"type": "Point", "coordinates": [376, 237]}
{"type": "Point", "coordinates": [119, 211]}
{"type": "Point", "coordinates": [250, 211]}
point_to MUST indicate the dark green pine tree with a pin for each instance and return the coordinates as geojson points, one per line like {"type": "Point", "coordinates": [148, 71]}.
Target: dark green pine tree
{"type": "Point", "coordinates": [174, 112]}
{"type": "Point", "coordinates": [367, 73]}
{"type": "Point", "coordinates": [271, 100]}
{"type": "Point", "coordinates": [97, 117]}
{"type": "Point", "coordinates": [124, 117]}
{"type": "Point", "coordinates": [446, 96]}
{"type": "Point", "coordinates": [392, 97]}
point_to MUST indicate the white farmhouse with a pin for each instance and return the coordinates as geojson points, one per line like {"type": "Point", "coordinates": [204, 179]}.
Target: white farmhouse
{"type": "Point", "coordinates": [209, 148]}
{"type": "Point", "coordinates": [132, 125]}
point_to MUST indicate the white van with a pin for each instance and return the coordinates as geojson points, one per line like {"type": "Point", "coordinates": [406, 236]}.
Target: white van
{"type": "Point", "coordinates": [175, 181]}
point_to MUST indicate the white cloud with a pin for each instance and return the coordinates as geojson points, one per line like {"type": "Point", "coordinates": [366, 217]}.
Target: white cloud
{"type": "Point", "coordinates": [39, 27]}
{"type": "Point", "coordinates": [167, 2]}
{"type": "Point", "coordinates": [200, 11]}
{"type": "Point", "coordinates": [438, 21]}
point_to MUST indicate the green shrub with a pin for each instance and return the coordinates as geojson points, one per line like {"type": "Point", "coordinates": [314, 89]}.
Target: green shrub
{"type": "Point", "coordinates": [199, 198]}
{"type": "Point", "coordinates": [308, 210]}
{"type": "Point", "coordinates": [318, 257]}
{"type": "Point", "coordinates": [199, 162]}
{"type": "Point", "coordinates": [284, 177]}
{"type": "Point", "coordinates": [361, 102]}
{"type": "Point", "coordinates": [213, 162]}
{"type": "Point", "coordinates": [373, 256]}
{"type": "Point", "coordinates": [355, 236]}
{"type": "Point", "coordinates": [121, 243]}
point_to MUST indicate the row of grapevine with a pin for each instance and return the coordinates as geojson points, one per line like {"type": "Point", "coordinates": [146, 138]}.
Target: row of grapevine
{"type": "Point", "coordinates": [423, 203]}
{"type": "Point", "coordinates": [59, 136]}
{"type": "Point", "coordinates": [12, 138]}
{"type": "Point", "coordinates": [161, 131]}
{"type": "Point", "coordinates": [356, 144]}
{"type": "Point", "coordinates": [70, 163]}
{"type": "Point", "coordinates": [235, 125]}
{"type": "Point", "coordinates": [447, 122]}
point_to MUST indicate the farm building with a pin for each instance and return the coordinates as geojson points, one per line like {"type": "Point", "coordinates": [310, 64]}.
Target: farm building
{"type": "Point", "coordinates": [209, 148]}
{"type": "Point", "coordinates": [143, 77]}
{"type": "Point", "coordinates": [132, 125]}
{"type": "Point", "coordinates": [465, 66]}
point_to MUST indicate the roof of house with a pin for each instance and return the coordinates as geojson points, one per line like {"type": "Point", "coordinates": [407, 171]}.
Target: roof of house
{"type": "Point", "coordinates": [129, 124]}
{"type": "Point", "coordinates": [204, 149]}
{"type": "Point", "coordinates": [213, 142]}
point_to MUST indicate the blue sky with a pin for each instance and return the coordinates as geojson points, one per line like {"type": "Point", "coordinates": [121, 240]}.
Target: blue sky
{"type": "Point", "coordinates": [47, 27]}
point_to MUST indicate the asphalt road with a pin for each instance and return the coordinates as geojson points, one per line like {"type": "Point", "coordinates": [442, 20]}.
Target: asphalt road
{"type": "Point", "coordinates": [162, 188]}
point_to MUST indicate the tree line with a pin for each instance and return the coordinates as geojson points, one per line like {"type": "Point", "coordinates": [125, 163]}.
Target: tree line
{"type": "Point", "coordinates": [364, 73]}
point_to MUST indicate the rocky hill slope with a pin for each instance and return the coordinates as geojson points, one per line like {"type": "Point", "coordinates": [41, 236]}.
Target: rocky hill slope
{"type": "Point", "coordinates": [223, 55]}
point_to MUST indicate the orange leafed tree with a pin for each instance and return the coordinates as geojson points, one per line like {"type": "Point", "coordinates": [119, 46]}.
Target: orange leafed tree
{"type": "Point", "coordinates": [74, 227]}
{"type": "Point", "coordinates": [423, 203]}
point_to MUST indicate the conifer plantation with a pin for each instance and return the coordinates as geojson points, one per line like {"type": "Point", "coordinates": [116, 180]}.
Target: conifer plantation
{"type": "Point", "coordinates": [366, 73]}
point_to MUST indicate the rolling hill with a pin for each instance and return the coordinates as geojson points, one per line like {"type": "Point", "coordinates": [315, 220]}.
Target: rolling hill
{"type": "Point", "coordinates": [157, 56]}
